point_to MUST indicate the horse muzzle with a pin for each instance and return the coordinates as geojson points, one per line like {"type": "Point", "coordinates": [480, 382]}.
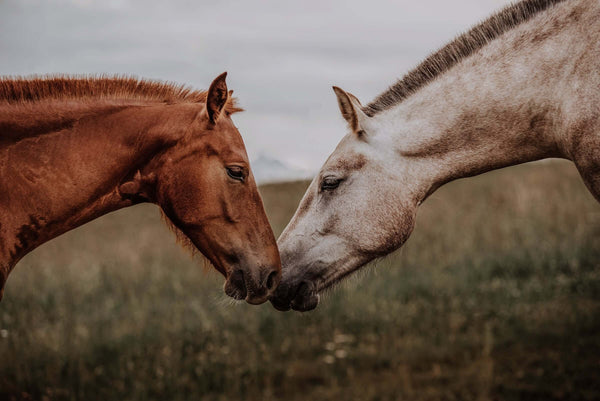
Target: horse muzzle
{"type": "Point", "coordinates": [300, 297]}
{"type": "Point", "coordinates": [253, 288]}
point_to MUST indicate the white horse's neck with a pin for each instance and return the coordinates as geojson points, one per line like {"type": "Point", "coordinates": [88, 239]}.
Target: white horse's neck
{"type": "Point", "coordinates": [499, 107]}
{"type": "Point", "coordinates": [530, 93]}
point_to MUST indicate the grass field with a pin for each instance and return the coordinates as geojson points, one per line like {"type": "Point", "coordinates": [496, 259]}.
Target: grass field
{"type": "Point", "coordinates": [496, 296]}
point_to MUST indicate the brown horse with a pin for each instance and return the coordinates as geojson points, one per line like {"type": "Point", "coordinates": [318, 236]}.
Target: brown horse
{"type": "Point", "coordinates": [74, 149]}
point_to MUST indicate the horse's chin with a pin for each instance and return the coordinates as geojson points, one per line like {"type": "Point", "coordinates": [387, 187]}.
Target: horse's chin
{"type": "Point", "coordinates": [299, 305]}
{"type": "Point", "coordinates": [302, 298]}
{"type": "Point", "coordinates": [305, 304]}
{"type": "Point", "coordinates": [234, 291]}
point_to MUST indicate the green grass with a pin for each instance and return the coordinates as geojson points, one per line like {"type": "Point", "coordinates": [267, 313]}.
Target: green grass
{"type": "Point", "coordinates": [495, 296]}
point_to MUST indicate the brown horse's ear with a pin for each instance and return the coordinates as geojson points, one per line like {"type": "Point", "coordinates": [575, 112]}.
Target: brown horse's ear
{"type": "Point", "coordinates": [139, 186]}
{"type": "Point", "coordinates": [217, 97]}
{"type": "Point", "coordinates": [351, 109]}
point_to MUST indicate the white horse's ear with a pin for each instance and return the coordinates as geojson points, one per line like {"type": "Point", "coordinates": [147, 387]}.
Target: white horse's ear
{"type": "Point", "coordinates": [355, 100]}
{"type": "Point", "coordinates": [351, 109]}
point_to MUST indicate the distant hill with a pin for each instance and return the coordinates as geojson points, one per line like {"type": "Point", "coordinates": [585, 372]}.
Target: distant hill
{"type": "Point", "coordinates": [268, 169]}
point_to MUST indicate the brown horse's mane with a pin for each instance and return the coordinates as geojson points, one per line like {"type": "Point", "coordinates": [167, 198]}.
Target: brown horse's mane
{"type": "Point", "coordinates": [460, 48]}
{"type": "Point", "coordinates": [36, 88]}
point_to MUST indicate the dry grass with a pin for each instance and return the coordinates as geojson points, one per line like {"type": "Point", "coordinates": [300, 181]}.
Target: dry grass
{"type": "Point", "coordinates": [495, 296]}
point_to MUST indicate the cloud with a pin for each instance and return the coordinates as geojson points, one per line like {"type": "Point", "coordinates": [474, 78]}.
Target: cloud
{"type": "Point", "coordinates": [282, 57]}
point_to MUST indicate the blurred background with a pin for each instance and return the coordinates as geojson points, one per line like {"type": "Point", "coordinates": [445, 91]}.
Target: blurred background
{"type": "Point", "coordinates": [495, 296]}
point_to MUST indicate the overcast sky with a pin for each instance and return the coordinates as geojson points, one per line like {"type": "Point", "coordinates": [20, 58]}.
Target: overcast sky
{"type": "Point", "coordinates": [282, 56]}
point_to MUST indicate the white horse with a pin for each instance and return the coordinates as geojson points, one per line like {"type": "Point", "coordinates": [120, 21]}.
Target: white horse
{"type": "Point", "coordinates": [523, 85]}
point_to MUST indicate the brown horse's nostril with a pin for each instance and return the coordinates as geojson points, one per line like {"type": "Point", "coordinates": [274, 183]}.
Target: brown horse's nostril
{"type": "Point", "coordinates": [235, 286]}
{"type": "Point", "coordinates": [260, 290]}
{"type": "Point", "coordinates": [272, 280]}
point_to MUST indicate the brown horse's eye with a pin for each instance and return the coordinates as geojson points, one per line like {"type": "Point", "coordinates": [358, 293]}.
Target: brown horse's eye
{"type": "Point", "coordinates": [237, 173]}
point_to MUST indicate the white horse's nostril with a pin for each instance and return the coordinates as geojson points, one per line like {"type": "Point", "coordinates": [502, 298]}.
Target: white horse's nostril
{"type": "Point", "coordinates": [272, 280]}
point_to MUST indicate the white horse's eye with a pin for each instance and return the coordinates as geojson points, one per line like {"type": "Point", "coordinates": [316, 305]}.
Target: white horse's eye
{"type": "Point", "coordinates": [330, 183]}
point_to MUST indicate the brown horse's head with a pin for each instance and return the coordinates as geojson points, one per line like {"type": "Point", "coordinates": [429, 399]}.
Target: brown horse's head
{"type": "Point", "coordinates": [205, 187]}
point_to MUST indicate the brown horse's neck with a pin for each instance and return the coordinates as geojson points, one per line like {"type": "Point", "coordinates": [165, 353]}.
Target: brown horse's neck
{"type": "Point", "coordinates": [61, 165]}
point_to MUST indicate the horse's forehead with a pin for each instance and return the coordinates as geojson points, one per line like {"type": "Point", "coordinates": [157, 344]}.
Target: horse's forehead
{"type": "Point", "coordinates": [349, 161]}
{"type": "Point", "coordinates": [347, 156]}
{"type": "Point", "coordinates": [226, 137]}
{"type": "Point", "coordinates": [233, 144]}
{"type": "Point", "coordinates": [225, 141]}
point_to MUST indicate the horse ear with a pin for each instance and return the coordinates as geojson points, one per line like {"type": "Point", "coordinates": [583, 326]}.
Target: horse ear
{"type": "Point", "coordinates": [351, 109]}
{"type": "Point", "coordinates": [354, 99]}
{"type": "Point", "coordinates": [217, 97]}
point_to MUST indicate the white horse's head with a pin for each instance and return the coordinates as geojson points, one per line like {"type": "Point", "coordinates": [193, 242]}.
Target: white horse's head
{"type": "Point", "coordinates": [359, 207]}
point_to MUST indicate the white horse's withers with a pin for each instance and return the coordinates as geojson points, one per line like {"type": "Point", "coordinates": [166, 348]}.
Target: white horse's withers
{"type": "Point", "coordinates": [524, 85]}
